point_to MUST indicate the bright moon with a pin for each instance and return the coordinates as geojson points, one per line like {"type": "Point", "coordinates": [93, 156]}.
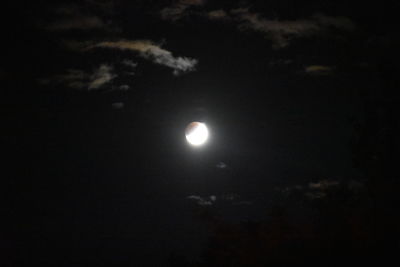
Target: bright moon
{"type": "Point", "coordinates": [196, 133]}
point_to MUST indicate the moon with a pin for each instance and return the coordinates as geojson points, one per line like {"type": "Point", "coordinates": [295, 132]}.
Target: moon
{"type": "Point", "coordinates": [196, 133]}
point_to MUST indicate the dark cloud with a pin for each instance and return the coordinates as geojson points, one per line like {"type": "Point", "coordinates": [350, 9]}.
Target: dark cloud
{"type": "Point", "coordinates": [342, 23]}
{"type": "Point", "coordinates": [282, 31]}
{"type": "Point", "coordinates": [230, 199]}
{"type": "Point", "coordinates": [318, 70]}
{"type": "Point", "coordinates": [129, 63]}
{"type": "Point", "coordinates": [87, 16]}
{"type": "Point", "coordinates": [124, 87]}
{"type": "Point", "coordinates": [208, 201]}
{"type": "Point", "coordinates": [244, 202]}
{"type": "Point", "coordinates": [78, 23]}
{"type": "Point", "coordinates": [117, 105]}
{"type": "Point", "coordinates": [179, 9]}
{"type": "Point", "coordinates": [323, 184]}
{"type": "Point", "coordinates": [218, 15]}
{"type": "Point", "coordinates": [322, 188]}
{"type": "Point", "coordinates": [221, 165]}
{"type": "Point", "coordinates": [79, 79]}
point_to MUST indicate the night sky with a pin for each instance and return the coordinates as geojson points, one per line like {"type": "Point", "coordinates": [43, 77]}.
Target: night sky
{"type": "Point", "coordinates": [299, 98]}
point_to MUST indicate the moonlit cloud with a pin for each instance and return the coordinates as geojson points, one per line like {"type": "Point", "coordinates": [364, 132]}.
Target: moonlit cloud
{"type": "Point", "coordinates": [101, 76]}
{"type": "Point", "coordinates": [153, 52]}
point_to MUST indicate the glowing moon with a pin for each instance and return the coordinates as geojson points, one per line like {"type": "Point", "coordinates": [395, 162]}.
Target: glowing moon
{"type": "Point", "coordinates": [196, 133]}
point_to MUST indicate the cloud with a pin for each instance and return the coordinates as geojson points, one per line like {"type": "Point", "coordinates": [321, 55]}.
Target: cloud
{"type": "Point", "coordinates": [336, 22]}
{"type": "Point", "coordinates": [129, 63]}
{"type": "Point", "coordinates": [107, 6]}
{"type": "Point", "coordinates": [78, 23]}
{"type": "Point", "coordinates": [124, 87]}
{"type": "Point", "coordinates": [117, 105]}
{"type": "Point", "coordinates": [218, 15]}
{"type": "Point", "coordinates": [153, 52]}
{"type": "Point", "coordinates": [323, 184]}
{"type": "Point", "coordinates": [101, 76]}
{"type": "Point", "coordinates": [178, 10]}
{"type": "Point", "coordinates": [79, 79]}
{"type": "Point", "coordinates": [221, 165]}
{"type": "Point", "coordinates": [74, 78]}
{"type": "Point", "coordinates": [282, 31]}
{"type": "Point", "coordinates": [74, 16]}
{"type": "Point", "coordinates": [321, 188]}
{"type": "Point", "coordinates": [315, 194]}
{"type": "Point", "coordinates": [203, 201]}
{"type": "Point", "coordinates": [244, 202]}
{"type": "Point", "coordinates": [66, 10]}
{"type": "Point", "coordinates": [318, 70]}
{"type": "Point", "coordinates": [231, 199]}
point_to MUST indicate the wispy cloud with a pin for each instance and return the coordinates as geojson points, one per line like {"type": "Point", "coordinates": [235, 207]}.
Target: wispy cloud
{"type": "Point", "coordinates": [118, 105]}
{"type": "Point", "coordinates": [129, 63]}
{"type": "Point", "coordinates": [77, 23]}
{"type": "Point", "coordinates": [73, 78]}
{"type": "Point", "coordinates": [221, 165]}
{"type": "Point", "coordinates": [281, 32]}
{"type": "Point", "coordinates": [318, 70]}
{"type": "Point", "coordinates": [231, 199]}
{"type": "Point", "coordinates": [219, 14]}
{"type": "Point", "coordinates": [178, 10]}
{"type": "Point", "coordinates": [79, 79]}
{"type": "Point", "coordinates": [74, 16]}
{"type": "Point", "coordinates": [323, 188]}
{"type": "Point", "coordinates": [124, 87]}
{"type": "Point", "coordinates": [203, 201]}
{"type": "Point", "coordinates": [101, 76]}
{"type": "Point", "coordinates": [153, 52]}
{"type": "Point", "coordinates": [336, 22]}
{"type": "Point", "coordinates": [323, 184]}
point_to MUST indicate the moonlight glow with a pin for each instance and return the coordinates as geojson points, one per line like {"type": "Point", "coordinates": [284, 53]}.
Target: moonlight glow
{"type": "Point", "coordinates": [196, 133]}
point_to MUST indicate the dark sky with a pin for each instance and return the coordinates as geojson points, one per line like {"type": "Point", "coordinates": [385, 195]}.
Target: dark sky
{"type": "Point", "coordinates": [97, 96]}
